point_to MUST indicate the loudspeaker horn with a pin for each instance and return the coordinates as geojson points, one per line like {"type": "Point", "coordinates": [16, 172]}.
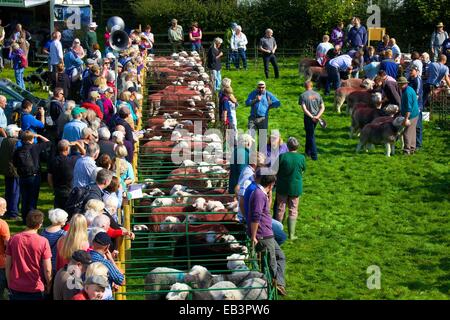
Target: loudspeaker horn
{"type": "Point", "coordinates": [115, 21]}
{"type": "Point", "coordinates": [118, 39]}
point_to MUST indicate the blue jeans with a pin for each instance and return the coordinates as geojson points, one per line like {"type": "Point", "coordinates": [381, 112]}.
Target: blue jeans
{"type": "Point", "coordinates": [16, 295]}
{"type": "Point", "coordinates": [238, 55]}
{"type": "Point", "coordinates": [310, 144]}
{"type": "Point", "coordinates": [29, 191]}
{"type": "Point", "coordinates": [217, 79]}
{"type": "Point", "coordinates": [273, 60]}
{"type": "Point", "coordinates": [419, 131]}
{"type": "Point", "coordinates": [12, 195]}
{"type": "Point", "coordinates": [196, 47]}
{"type": "Point", "coordinates": [18, 73]}
{"type": "Point", "coordinates": [280, 235]}
{"type": "Point", "coordinates": [230, 58]}
{"type": "Point", "coordinates": [334, 78]}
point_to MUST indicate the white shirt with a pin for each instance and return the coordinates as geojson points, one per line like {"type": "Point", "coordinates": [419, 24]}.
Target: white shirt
{"type": "Point", "coordinates": [239, 41]}
{"type": "Point", "coordinates": [3, 120]}
{"type": "Point", "coordinates": [56, 52]}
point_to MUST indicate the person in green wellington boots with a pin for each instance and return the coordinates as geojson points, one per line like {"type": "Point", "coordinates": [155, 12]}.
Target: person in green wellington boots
{"type": "Point", "coordinates": [291, 166]}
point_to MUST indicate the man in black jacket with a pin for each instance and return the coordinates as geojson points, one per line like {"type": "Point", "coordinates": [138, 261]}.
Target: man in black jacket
{"type": "Point", "coordinates": [27, 162]}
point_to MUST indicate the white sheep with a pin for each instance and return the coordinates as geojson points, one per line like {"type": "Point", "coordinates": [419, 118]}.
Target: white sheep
{"type": "Point", "coordinates": [214, 206]}
{"type": "Point", "coordinates": [199, 277]}
{"type": "Point", "coordinates": [163, 202]}
{"type": "Point", "coordinates": [169, 224]}
{"type": "Point", "coordinates": [177, 187]}
{"type": "Point", "coordinates": [178, 291]}
{"type": "Point", "coordinates": [232, 206]}
{"type": "Point", "coordinates": [199, 204]}
{"type": "Point", "coordinates": [225, 290]}
{"type": "Point", "coordinates": [254, 289]}
{"type": "Point", "coordinates": [161, 278]}
{"type": "Point", "coordinates": [170, 122]}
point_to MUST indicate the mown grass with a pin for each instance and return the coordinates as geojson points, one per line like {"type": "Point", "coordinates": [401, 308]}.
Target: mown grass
{"type": "Point", "coordinates": [356, 210]}
{"type": "Point", "coordinates": [359, 210]}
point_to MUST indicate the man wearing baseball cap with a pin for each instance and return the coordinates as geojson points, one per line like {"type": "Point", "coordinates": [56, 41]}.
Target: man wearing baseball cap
{"type": "Point", "coordinates": [73, 130]}
{"type": "Point", "coordinates": [409, 109]}
{"type": "Point", "coordinates": [101, 253]}
{"type": "Point", "coordinates": [94, 289]}
{"type": "Point", "coordinates": [260, 101]}
{"type": "Point", "coordinates": [68, 280]}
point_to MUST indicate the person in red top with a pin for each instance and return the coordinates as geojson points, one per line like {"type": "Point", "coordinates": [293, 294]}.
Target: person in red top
{"type": "Point", "coordinates": [28, 261]}
{"type": "Point", "coordinates": [4, 238]}
{"type": "Point", "coordinates": [91, 104]}
{"type": "Point", "coordinates": [94, 288]}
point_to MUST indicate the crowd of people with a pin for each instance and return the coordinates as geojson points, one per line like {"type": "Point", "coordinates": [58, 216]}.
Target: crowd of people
{"type": "Point", "coordinates": [87, 139]}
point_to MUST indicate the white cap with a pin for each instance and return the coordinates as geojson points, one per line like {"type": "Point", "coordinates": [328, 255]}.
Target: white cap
{"type": "Point", "coordinates": [110, 55]}
{"type": "Point", "coordinates": [93, 25]}
{"type": "Point", "coordinates": [10, 129]}
{"type": "Point", "coordinates": [261, 83]}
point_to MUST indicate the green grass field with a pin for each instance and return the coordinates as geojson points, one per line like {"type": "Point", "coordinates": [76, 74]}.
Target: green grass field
{"type": "Point", "coordinates": [357, 210]}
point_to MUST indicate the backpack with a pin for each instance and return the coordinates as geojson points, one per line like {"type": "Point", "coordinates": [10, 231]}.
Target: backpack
{"type": "Point", "coordinates": [23, 61]}
{"type": "Point", "coordinates": [24, 163]}
{"type": "Point", "coordinates": [77, 199]}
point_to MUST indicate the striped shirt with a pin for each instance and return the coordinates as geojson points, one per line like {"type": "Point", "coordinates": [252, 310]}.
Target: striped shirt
{"type": "Point", "coordinates": [53, 238]}
{"type": "Point", "coordinates": [114, 275]}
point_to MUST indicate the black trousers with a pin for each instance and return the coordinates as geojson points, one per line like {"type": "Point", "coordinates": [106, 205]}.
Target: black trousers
{"type": "Point", "coordinates": [273, 60]}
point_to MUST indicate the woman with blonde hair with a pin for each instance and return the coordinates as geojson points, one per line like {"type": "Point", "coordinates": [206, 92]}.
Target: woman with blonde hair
{"type": "Point", "coordinates": [93, 209]}
{"type": "Point", "coordinates": [126, 169]}
{"type": "Point", "coordinates": [99, 269]}
{"type": "Point", "coordinates": [75, 239]}
{"type": "Point", "coordinates": [124, 101]}
{"type": "Point", "coordinates": [78, 49]}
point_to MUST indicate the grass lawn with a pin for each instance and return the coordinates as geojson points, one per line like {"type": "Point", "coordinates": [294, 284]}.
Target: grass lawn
{"type": "Point", "coordinates": [356, 210]}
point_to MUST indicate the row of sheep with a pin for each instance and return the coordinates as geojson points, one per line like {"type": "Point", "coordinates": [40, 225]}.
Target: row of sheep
{"type": "Point", "coordinates": [200, 284]}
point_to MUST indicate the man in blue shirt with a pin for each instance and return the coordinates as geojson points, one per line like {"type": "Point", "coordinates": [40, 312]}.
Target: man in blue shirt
{"type": "Point", "coordinates": [3, 120]}
{"type": "Point", "coordinates": [389, 65]}
{"type": "Point", "coordinates": [357, 36]}
{"type": "Point", "coordinates": [409, 109]}
{"type": "Point", "coordinates": [28, 121]}
{"type": "Point", "coordinates": [338, 67]}
{"type": "Point", "coordinates": [73, 130]}
{"type": "Point", "coordinates": [437, 71]}
{"type": "Point", "coordinates": [260, 101]}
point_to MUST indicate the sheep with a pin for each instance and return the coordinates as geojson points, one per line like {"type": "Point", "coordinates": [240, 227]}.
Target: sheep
{"type": "Point", "coordinates": [170, 123]}
{"type": "Point", "coordinates": [160, 279]}
{"type": "Point", "coordinates": [254, 289]}
{"type": "Point", "coordinates": [199, 204]}
{"type": "Point", "coordinates": [225, 290]}
{"type": "Point", "coordinates": [169, 224]}
{"type": "Point", "coordinates": [156, 138]}
{"type": "Point", "coordinates": [199, 277]}
{"type": "Point", "coordinates": [163, 202]}
{"type": "Point", "coordinates": [232, 206]}
{"type": "Point", "coordinates": [236, 262]}
{"type": "Point", "coordinates": [179, 291]}
{"type": "Point", "coordinates": [214, 206]}
{"type": "Point", "coordinates": [140, 227]}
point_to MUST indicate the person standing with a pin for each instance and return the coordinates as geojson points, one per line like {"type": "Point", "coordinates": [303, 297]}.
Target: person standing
{"type": "Point", "coordinates": [260, 101]}
{"type": "Point", "coordinates": [437, 72]}
{"type": "Point", "coordinates": [7, 168]}
{"type": "Point", "coordinates": [239, 47]}
{"type": "Point", "coordinates": [259, 229]}
{"type": "Point", "coordinates": [227, 43]}
{"type": "Point", "coordinates": [26, 159]}
{"type": "Point", "coordinates": [437, 39]}
{"type": "Point", "coordinates": [3, 120]}
{"type": "Point", "coordinates": [322, 50]}
{"type": "Point", "coordinates": [389, 65]}
{"type": "Point", "coordinates": [4, 238]}
{"type": "Point", "coordinates": [176, 37]}
{"type": "Point", "coordinates": [28, 261]}
{"type": "Point", "coordinates": [2, 41]}
{"type": "Point", "coordinates": [90, 38]}
{"type": "Point", "coordinates": [214, 64]}
{"type": "Point", "coordinates": [195, 36]}
{"type": "Point", "coordinates": [313, 108]}
{"type": "Point", "coordinates": [337, 35]}
{"type": "Point", "coordinates": [268, 46]}
{"type": "Point", "coordinates": [56, 52]}
{"type": "Point", "coordinates": [416, 83]}
{"type": "Point", "coordinates": [151, 38]}
{"type": "Point", "coordinates": [396, 52]}
{"type": "Point", "coordinates": [357, 36]}
{"type": "Point", "coordinates": [291, 166]}
{"type": "Point", "coordinates": [19, 60]}
{"type": "Point", "coordinates": [409, 109]}
{"type": "Point", "coordinates": [86, 166]}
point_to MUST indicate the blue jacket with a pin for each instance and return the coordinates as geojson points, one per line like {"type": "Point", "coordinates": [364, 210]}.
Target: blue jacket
{"type": "Point", "coordinates": [71, 60]}
{"type": "Point", "coordinates": [357, 37]}
{"type": "Point", "coordinates": [14, 56]}
{"type": "Point", "coordinates": [261, 108]}
{"type": "Point", "coordinates": [390, 67]}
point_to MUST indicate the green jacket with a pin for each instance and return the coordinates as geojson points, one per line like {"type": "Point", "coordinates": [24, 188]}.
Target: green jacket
{"type": "Point", "coordinates": [289, 176]}
{"type": "Point", "coordinates": [227, 38]}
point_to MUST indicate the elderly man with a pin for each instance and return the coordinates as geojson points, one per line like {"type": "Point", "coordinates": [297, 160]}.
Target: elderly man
{"type": "Point", "coordinates": [214, 64]}
{"type": "Point", "coordinates": [268, 46]}
{"type": "Point", "coordinates": [389, 89]}
{"type": "Point", "coordinates": [291, 166]}
{"type": "Point", "coordinates": [85, 167]}
{"type": "Point", "coordinates": [357, 36]}
{"type": "Point", "coordinates": [260, 101]}
{"type": "Point", "coordinates": [437, 72]}
{"type": "Point", "coordinates": [396, 52]}
{"type": "Point", "coordinates": [437, 39]}
{"type": "Point", "coordinates": [313, 108]}
{"type": "Point", "coordinates": [106, 145]}
{"type": "Point", "coordinates": [56, 51]}
{"type": "Point", "coordinates": [322, 49]}
{"type": "Point", "coordinates": [7, 168]}
{"type": "Point", "coordinates": [60, 171]}
{"type": "Point", "coordinates": [73, 130]}
{"type": "Point", "coordinates": [176, 37]}
{"type": "Point", "coordinates": [3, 120]}
{"type": "Point", "coordinates": [409, 109]}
